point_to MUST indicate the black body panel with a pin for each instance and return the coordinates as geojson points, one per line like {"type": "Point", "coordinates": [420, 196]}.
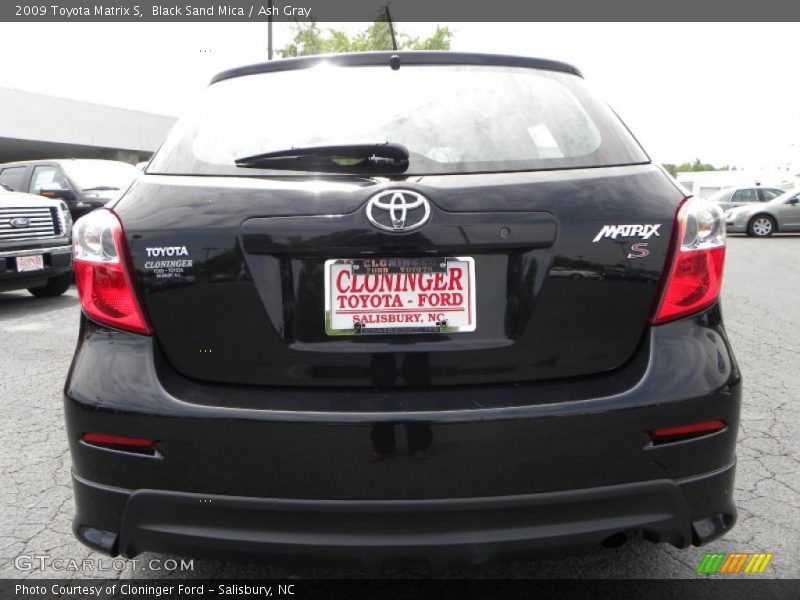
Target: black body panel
{"type": "Point", "coordinates": [569, 462]}
{"type": "Point", "coordinates": [250, 308]}
{"type": "Point", "coordinates": [547, 436]}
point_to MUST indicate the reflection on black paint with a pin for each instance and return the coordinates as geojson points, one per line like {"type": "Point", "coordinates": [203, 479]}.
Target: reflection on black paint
{"type": "Point", "coordinates": [419, 437]}
{"type": "Point", "coordinates": [414, 370]}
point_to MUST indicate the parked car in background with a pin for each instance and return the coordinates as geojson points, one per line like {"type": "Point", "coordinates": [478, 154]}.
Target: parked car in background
{"type": "Point", "coordinates": [35, 251]}
{"type": "Point", "coordinates": [782, 214]}
{"type": "Point", "coordinates": [362, 352]}
{"type": "Point", "coordinates": [731, 197]}
{"type": "Point", "coordinates": [82, 183]}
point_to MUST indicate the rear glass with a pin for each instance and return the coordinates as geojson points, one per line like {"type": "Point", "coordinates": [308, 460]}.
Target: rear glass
{"type": "Point", "coordinates": [452, 119]}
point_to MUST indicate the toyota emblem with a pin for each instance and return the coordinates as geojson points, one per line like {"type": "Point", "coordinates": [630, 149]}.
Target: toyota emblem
{"type": "Point", "coordinates": [398, 210]}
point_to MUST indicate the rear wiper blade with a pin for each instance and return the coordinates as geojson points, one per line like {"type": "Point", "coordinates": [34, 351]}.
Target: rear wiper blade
{"type": "Point", "coordinates": [346, 158]}
{"type": "Point", "coordinates": [100, 188]}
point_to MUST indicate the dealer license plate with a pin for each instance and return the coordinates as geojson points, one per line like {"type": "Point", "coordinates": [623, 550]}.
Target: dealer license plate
{"type": "Point", "coordinates": [30, 263]}
{"type": "Point", "coordinates": [399, 295]}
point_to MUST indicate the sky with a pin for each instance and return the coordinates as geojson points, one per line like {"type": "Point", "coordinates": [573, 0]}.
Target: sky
{"type": "Point", "coordinates": [727, 93]}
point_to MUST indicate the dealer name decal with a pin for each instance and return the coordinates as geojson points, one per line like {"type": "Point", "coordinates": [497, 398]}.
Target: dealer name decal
{"type": "Point", "coordinates": [170, 263]}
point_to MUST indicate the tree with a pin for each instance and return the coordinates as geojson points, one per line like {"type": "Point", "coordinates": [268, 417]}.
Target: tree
{"type": "Point", "coordinates": [310, 39]}
{"type": "Point", "coordinates": [697, 165]}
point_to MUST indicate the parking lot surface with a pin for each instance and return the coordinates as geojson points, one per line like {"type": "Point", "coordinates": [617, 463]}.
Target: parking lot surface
{"type": "Point", "coordinates": [762, 312]}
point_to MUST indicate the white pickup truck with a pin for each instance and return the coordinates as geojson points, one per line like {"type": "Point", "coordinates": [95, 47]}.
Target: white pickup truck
{"type": "Point", "coordinates": [35, 252]}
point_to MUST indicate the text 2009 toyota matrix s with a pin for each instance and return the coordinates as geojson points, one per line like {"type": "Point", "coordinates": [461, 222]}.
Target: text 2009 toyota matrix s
{"type": "Point", "coordinates": [380, 309]}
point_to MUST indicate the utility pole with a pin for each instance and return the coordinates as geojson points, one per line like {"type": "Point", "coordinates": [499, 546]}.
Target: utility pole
{"type": "Point", "coordinates": [269, 31]}
{"type": "Point", "coordinates": [391, 27]}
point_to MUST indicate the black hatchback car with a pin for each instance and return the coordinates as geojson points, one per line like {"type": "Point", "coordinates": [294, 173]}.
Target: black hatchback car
{"type": "Point", "coordinates": [332, 323]}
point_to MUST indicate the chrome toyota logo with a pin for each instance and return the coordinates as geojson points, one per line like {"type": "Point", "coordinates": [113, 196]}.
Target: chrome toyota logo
{"type": "Point", "coordinates": [398, 210]}
{"type": "Point", "coordinates": [19, 222]}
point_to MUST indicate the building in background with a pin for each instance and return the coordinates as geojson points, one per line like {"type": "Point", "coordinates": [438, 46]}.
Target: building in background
{"type": "Point", "coordinates": [40, 126]}
{"type": "Point", "coordinates": [704, 183]}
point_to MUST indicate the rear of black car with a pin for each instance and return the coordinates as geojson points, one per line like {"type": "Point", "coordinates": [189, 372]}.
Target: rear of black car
{"type": "Point", "coordinates": [436, 307]}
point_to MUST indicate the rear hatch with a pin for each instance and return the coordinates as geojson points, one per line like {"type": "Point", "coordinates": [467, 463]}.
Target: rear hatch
{"type": "Point", "coordinates": [532, 230]}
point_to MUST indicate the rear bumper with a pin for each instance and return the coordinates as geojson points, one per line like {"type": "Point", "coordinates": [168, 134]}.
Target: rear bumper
{"type": "Point", "coordinates": [435, 533]}
{"type": "Point", "coordinates": [57, 261]}
{"type": "Point", "coordinates": [491, 471]}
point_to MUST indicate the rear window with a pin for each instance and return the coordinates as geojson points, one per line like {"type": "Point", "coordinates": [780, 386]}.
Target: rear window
{"type": "Point", "coordinates": [452, 119]}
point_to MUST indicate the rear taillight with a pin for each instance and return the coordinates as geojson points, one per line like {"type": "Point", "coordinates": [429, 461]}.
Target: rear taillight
{"type": "Point", "coordinates": [103, 273]}
{"type": "Point", "coordinates": [694, 273]}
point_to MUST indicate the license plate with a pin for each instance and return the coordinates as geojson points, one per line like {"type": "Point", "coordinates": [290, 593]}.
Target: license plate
{"type": "Point", "coordinates": [30, 263]}
{"type": "Point", "coordinates": [399, 295]}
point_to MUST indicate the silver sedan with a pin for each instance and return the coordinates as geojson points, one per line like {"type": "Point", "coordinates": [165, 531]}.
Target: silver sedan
{"type": "Point", "coordinates": [733, 197]}
{"type": "Point", "coordinates": [765, 218]}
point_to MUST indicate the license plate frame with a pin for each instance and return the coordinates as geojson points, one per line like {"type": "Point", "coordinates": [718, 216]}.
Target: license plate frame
{"type": "Point", "coordinates": [34, 262]}
{"type": "Point", "coordinates": [439, 274]}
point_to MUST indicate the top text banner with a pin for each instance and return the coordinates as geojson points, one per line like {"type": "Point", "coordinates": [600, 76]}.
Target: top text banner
{"type": "Point", "coordinates": [401, 10]}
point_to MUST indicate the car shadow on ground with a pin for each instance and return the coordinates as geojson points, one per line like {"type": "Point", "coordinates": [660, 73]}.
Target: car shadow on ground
{"type": "Point", "coordinates": [15, 304]}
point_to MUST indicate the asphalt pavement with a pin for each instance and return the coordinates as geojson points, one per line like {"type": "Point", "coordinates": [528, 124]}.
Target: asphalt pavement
{"type": "Point", "coordinates": [761, 304]}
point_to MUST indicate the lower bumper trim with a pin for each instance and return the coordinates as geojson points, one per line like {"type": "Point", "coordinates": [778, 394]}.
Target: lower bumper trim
{"type": "Point", "coordinates": [441, 532]}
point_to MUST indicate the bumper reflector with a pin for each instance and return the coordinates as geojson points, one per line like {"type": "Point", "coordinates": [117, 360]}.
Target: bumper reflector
{"type": "Point", "coordinates": [671, 434]}
{"type": "Point", "coordinates": [118, 441]}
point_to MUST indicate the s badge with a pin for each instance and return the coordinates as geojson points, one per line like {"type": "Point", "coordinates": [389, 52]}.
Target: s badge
{"type": "Point", "coordinates": [638, 251]}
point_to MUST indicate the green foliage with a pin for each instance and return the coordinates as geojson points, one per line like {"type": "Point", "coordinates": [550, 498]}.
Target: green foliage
{"type": "Point", "coordinates": [697, 165]}
{"type": "Point", "coordinates": [310, 39]}
{"type": "Point", "coordinates": [671, 168]}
